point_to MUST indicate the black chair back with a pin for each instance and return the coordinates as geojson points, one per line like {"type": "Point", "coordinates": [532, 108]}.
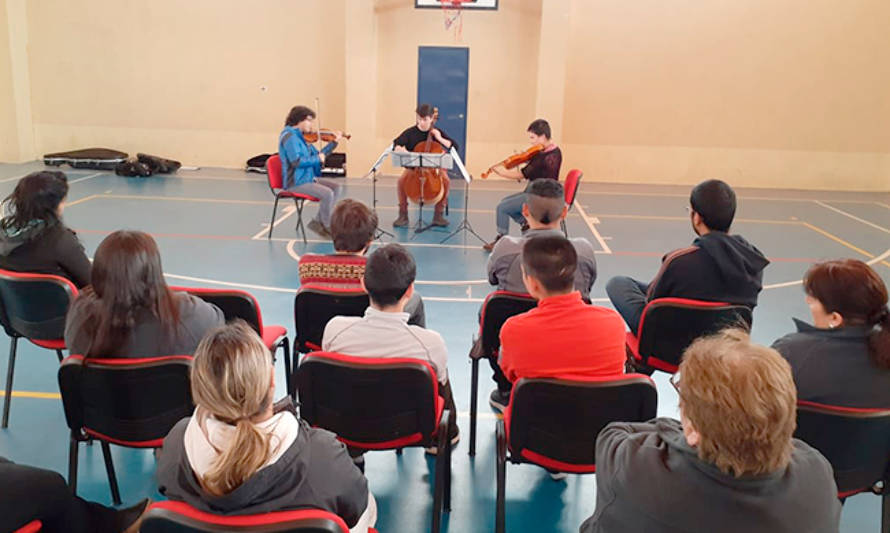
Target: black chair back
{"type": "Point", "coordinates": [559, 419]}
{"type": "Point", "coordinates": [373, 403]}
{"type": "Point", "coordinates": [233, 303]}
{"type": "Point", "coordinates": [669, 325]}
{"type": "Point", "coordinates": [315, 306]}
{"type": "Point", "coordinates": [34, 305]}
{"type": "Point", "coordinates": [132, 402]}
{"type": "Point", "coordinates": [498, 307]}
{"type": "Point", "coordinates": [179, 517]}
{"type": "Point", "coordinates": [855, 441]}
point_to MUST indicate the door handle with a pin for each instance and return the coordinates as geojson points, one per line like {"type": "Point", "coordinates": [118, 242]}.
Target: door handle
{"type": "Point", "coordinates": [460, 116]}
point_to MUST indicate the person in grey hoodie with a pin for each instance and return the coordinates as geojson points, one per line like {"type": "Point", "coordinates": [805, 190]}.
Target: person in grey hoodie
{"type": "Point", "coordinates": [241, 454]}
{"type": "Point", "coordinates": [33, 237]}
{"type": "Point", "coordinates": [729, 464]}
{"type": "Point", "coordinates": [718, 267]}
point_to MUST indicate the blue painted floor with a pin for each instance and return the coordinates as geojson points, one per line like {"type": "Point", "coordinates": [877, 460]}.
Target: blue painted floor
{"type": "Point", "coordinates": [210, 225]}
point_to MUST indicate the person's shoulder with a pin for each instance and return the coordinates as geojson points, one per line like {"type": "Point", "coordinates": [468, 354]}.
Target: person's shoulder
{"type": "Point", "coordinates": [507, 245]}
{"type": "Point", "coordinates": [582, 245]}
{"type": "Point", "coordinates": [809, 462]}
{"type": "Point", "coordinates": [429, 336]}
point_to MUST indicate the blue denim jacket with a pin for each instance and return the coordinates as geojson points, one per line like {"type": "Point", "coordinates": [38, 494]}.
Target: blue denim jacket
{"type": "Point", "coordinates": [300, 163]}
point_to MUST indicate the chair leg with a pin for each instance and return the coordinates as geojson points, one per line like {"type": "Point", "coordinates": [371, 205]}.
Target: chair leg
{"type": "Point", "coordinates": [448, 449]}
{"type": "Point", "coordinates": [109, 469]}
{"type": "Point", "coordinates": [565, 230]}
{"type": "Point", "coordinates": [500, 512]}
{"type": "Point", "coordinates": [439, 481]}
{"type": "Point", "coordinates": [301, 228]}
{"type": "Point", "coordinates": [272, 222]}
{"type": "Point", "coordinates": [288, 369]}
{"type": "Point", "coordinates": [73, 449]}
{"type": "Point", "coordinates": [885, 509]}
{"type": "Point", "coordinates": [60, 355]}
{"type": "Point", "coordinates": [7, 398]}
{"type": "Point", "coordinates": [474, 393]}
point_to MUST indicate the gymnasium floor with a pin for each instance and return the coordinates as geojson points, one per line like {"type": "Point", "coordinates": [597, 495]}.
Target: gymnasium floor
{"type": "Point", "coordinates": [211, 223]}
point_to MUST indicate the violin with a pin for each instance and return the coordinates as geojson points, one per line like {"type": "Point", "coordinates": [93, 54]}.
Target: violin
{"type": "Point", "coordinates": [425, 185]}
{"type": "Point", "coordinates": [516, 159]}
{"type": "Point", "coordinates": [326, 136]}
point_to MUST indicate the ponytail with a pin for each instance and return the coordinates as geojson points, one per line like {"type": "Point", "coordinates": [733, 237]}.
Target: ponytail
{"type": "Point", "coordinates": [879, 338]}
{"type": "Point", "coordinates": [246, 454]}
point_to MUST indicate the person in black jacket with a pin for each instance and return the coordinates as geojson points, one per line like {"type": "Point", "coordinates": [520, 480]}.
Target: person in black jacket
{"type": "Point", "coordinates": [28, 494]}
{"type": "Point", "coordinates": [33, 237]}
{"type": "Point", "coordinates": [238, 454]}
{"type": "Point", "coordinates": [729, 464]}
{"type": "Point", "coordinates": [844, 357]}
{"type": "Point", "coordinates": [718, 267]}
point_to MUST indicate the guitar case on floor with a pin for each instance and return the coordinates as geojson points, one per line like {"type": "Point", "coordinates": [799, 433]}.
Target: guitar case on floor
{"type": "Point", "coordinates": [91, 158]}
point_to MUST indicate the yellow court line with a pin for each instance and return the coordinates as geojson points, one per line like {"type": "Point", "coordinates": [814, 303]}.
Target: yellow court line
{"type": "Point", "coordinates": [31, 394]}
{"type": "Point", "coordinates": [838, 240]}
{"type": "Point", "coordinates": [184, 199]}
{"type": "Point", "coordinates": [686, 219]}
{"type": "Point", "coordinates": [81, 200]}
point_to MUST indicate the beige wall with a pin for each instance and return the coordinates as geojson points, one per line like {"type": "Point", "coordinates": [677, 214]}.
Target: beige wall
{"type": "Point", "coordinates": [763, 92]}
{"type": "Point", "coordinates": [182, 79]}
{"type": "Point", "coordinates": [790, 93]}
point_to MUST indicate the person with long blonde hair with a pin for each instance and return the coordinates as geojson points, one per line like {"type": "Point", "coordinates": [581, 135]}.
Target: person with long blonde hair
{"type": "Point", "coordinates": [240, 453]}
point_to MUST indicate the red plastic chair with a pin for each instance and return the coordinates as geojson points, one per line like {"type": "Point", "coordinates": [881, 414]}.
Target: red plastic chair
{"type": "Point", "coordinates": [30, 527]}
{"type": "Point", "coordinates": [554, 423]}
{"type": "Point", "coordinates": [180, 517]}
{"type": "Point", "coordinates": [128, 402]}
{"type": "Point", "coordinates": [573, 180]}
{"type": "Point", "coordinates": [496, 309]}
{"type": "Point", "coordinates": [236, 304]}
{"type": "Point", "coordinates": [856, 441]}
{"type": "Point", "coordinates": [316, 304]}
{"type": "Point", "coordinates": [669, 325]}
{"type": "Point", "coordinates": [276, 184]}
{"type": "Point", "coordinates": [380, 404]}
{"type": "Point", "coordinates": [33, 306]}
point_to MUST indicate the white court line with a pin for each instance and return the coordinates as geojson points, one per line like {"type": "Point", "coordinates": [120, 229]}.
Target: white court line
{"type": "Point", "coordinates": [91, 176]}
{"type": "Point", "coordinates": [854, 217]}
{"type": "Point", "coordinates": [288, 211]}
{"type": "Point", "coordinates": [872, 261]}
{"type": "Point", "coordinates": [883, 205]}
{"type": "Point", "coordinates": [290, 250]}
{"type": "Point", "coordinates": [592, 227]}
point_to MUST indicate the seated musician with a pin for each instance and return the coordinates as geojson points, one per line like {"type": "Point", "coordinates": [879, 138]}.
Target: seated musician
{"type": "Point", "coordinates": [406, 142]}
{"type": "Point", "coordinates": [352, 228]}
{"type": "Point", "coordinates": [544, 164]}
{"type": "Point", "coordinates": [301, 166]}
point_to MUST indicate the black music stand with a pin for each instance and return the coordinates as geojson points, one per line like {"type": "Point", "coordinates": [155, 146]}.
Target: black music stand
{"type": "Point", "coordinates": [422, 160]}
{"type": "Point", "coordinates": [465, 223]}
{"type": "Point", "coordinates": [379, 232]}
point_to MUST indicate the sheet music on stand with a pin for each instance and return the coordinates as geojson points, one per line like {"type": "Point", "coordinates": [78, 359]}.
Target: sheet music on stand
{"type": "Point", "coordinates": [460, 165]}
{"type": "Point", "coordinates": [421, 159]}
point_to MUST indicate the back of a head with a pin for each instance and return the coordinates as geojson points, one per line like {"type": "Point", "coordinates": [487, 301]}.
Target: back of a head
{"type": "Point", "coordinates": [741, 399]}
{"type": "Point", "coordinates": [539, 127]}
{"type": "Point", "coordinates": [552, 261]}
{"type": "Point", "coordinates": [389, 272]}
{"type": "Point", "coordinates": [352, 226]}
{"type": "Point", "coordinates": [127, 276]}
{"type": "Point", "coordinates": [853, 289]}
{"type": "Point", "coordinates": [545, 199]}
{"type": "Point", "coordinates": [231, 378]}
{"type": "Point", "coordinates": [298, 114]}
{"type": "Point", "coordinates": [715, 201]}
{"type": "Point", "coordinates": [36, 197]}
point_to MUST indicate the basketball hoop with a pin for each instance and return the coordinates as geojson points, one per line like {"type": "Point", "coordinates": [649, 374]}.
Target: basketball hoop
{"type": "Point", "coordinates": [452, 10]}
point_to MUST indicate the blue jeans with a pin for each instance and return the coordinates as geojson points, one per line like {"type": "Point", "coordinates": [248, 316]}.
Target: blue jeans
{"type": "Point", "coordinates": [327, 192]}
{"type": "Point", "coordinates": [629, 298]}
{"type": "Point", "coordinates": [510, 207]}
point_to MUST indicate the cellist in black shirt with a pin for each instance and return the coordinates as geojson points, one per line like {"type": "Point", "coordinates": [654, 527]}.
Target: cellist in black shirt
{"type": "Point", "coordinates": [405, 142]}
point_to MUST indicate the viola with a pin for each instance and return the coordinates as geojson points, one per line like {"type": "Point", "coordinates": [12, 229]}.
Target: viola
{"type": "Point", "coordinates": [326, 136]}
{"type": "Point", "coordinates": [426, 185]}
{"type": "Point", "coordinates": [516, 159]}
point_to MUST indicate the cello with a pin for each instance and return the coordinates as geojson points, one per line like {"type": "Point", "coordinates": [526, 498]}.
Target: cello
{"type": "Point", "coordinates": [516, 159]}
{"type": "Point", "coordinates": [425, 185]}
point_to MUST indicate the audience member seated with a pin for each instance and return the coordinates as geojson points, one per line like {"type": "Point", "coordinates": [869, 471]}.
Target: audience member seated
{"type": "Point", "coordinates": [562, 335]}
{"type": "Point", "coordinates": [729, 464]}
{"type": "Point", "coordinates": [544, 208]}
{"type": "Point", "coordinates": [352, 229]}
{"type": "Point", "coordinates": [384, 330]}
{"type": "Point", "coordinates": [128, 311]}
{"type": "Point", "coordinates": [241, 454]}
{"type": "Point", "coordinates": [28, 494]}
{"type": "Point", "coordinates": [33, 237]}
{"type": "Point", "coordinates": [718, 267]}
{"type": "Point", "coordinates": [844, 357]}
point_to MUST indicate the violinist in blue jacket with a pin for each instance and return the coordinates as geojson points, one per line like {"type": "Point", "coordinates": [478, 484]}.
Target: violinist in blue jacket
{"type": "Point", "coordinates": [301, 165]}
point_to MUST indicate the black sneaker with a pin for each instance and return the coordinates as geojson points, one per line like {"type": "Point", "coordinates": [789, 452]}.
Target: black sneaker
{"type": "Point", "coordinates": [319, 228]}
{"type": "Point", "coordinates": [434, 450]}
{"type": "Point", "coordinates": [499, 400]}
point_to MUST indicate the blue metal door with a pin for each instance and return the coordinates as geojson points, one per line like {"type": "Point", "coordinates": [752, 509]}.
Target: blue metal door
{"type": "Point", "coordinates": [442, 75]}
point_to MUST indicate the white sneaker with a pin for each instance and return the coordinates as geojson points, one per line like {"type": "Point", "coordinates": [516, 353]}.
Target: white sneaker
{"type": "Point", "coordinates": [557, 476]}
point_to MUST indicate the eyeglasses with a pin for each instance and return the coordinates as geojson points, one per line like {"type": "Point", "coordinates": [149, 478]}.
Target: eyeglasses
{"type": "Point", "coordinates": [675, 381]}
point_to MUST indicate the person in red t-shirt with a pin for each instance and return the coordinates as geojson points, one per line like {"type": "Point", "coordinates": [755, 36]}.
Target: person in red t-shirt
{"type": "Point", "coordinates": [562, 335]}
